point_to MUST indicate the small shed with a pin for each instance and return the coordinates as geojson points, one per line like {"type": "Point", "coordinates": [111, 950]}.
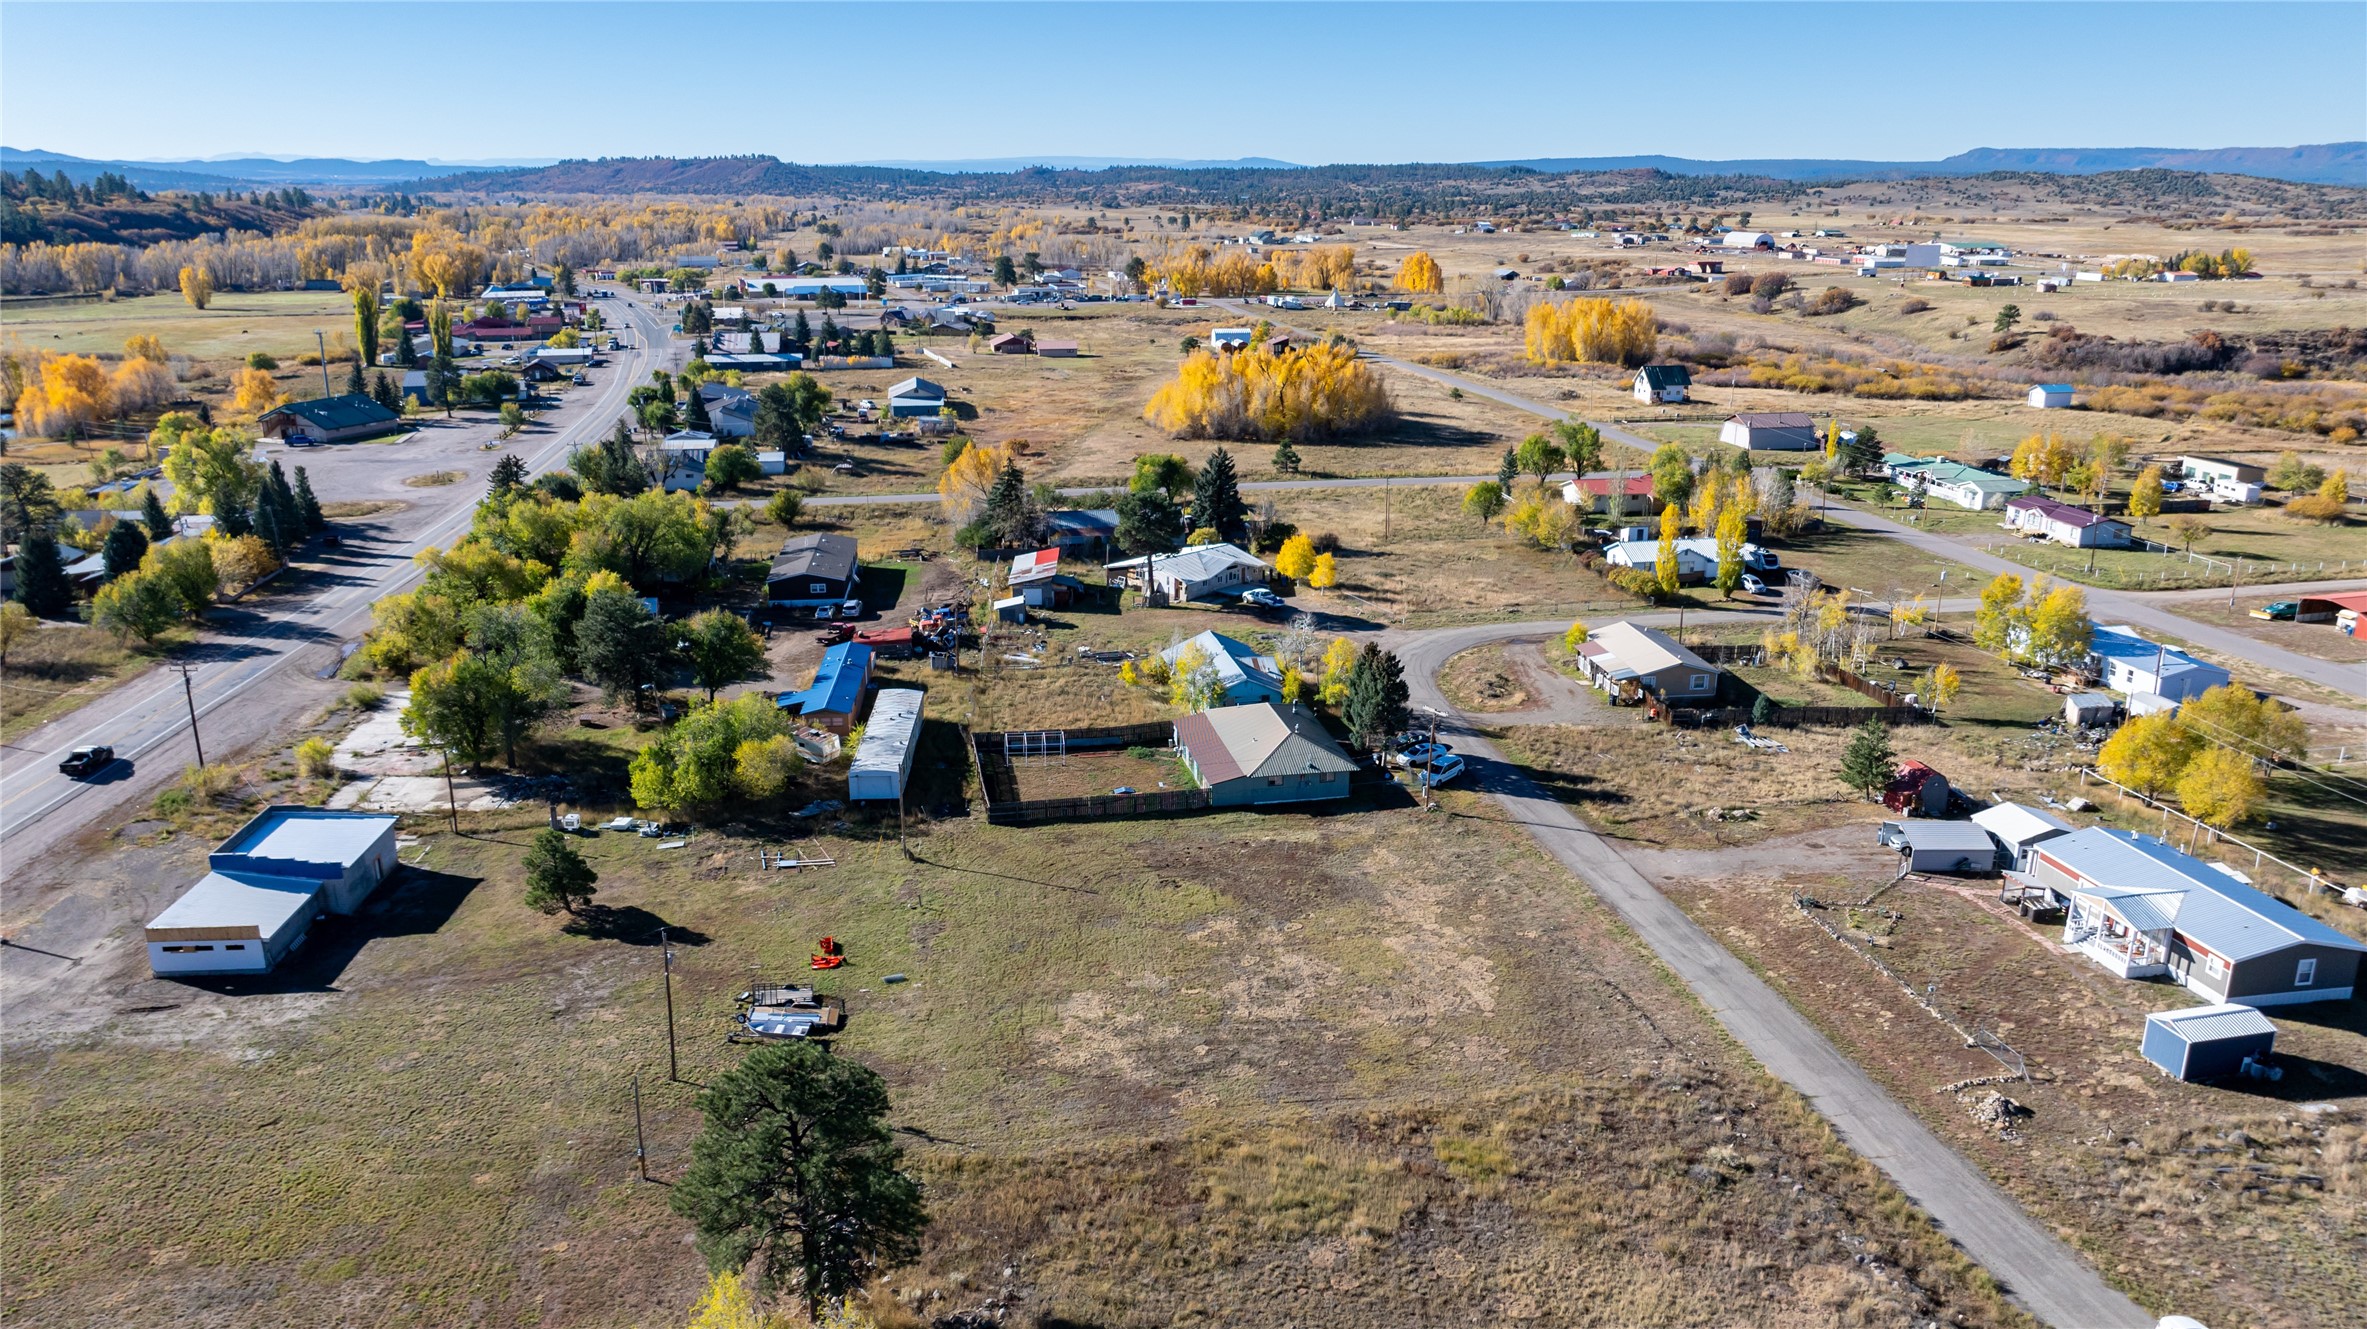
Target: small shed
{"type": "Point", "coordinates": [2050, 396]}
{"type": "Point", "coordinates": [1057, 350]}
{"type": "Point", "coordinates": [2087, 710]}
{"type": "Point", "coordinates": [883, 760]}
{"type": "Point", "coordinates": [1917, 790]}
{"type": "Point", "coordinates": [1012, 610]}
{"type": "Point", "coordinates": [2207, 1042]}
{"type": "Point", "coordinates": [1940, 846]}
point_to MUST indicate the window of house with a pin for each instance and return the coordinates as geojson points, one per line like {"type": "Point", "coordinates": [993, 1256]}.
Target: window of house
{"type": "Point", "coordinates": [2305, 973]}
{"type": "Point", "coordinates": [2214, 966]}
{"type": "Point", "coordinates": [235, 946]}
{"type": "Point", "coordinates": [1274, 780]}
{"type": "Point", "coordinates": [185, 950]}
{"type": "Point", "coordinates": [1699, 682]}
{"type": "Point", "coordinates": [817, 588]}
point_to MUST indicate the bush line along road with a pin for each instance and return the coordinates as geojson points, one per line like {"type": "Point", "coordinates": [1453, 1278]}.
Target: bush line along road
{"type": "Point", "coordinates": [147, 723]}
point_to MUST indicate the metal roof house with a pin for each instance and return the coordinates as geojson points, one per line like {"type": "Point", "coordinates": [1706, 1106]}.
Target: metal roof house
{"type": "Point", "coordinates": [1249, 756]}
{"type": "Point", "coordinates": [1697, 557]}
{"type": "Point", "coordinates": [883, 760]}
{"type": "Point", "coordinates": [1247, 676]}
{"type": "Point", "coordinates": [2128, 663]}
{"type": "Point", "coordinates": [2065, 524]}
{"type": "Point", "coordinates": [835, 697]}
{"type": "Point", "coordinates": [266, 885]}
{"type": "Point", "coordinates": [329, 419]}
{"type": "Point", "coordinates": [1770, 431]}
{"type": "Point", "coordinates": [915, 396]}
{"type": "Point", "coordinates": [2207, 1042]}
{"type": "Point", "coordinates": [813, 572]}
{"type": "Point", "coordinates": [1968, 487]}
{"type": "Point", "coordinates": [1197, 573]}
{"type": "Point", "coordinates": [1623, 658]}
{"type": "Point", "coordinates": [1655, 384]}
{"type": "Point", "coordinates": [2143, 909]}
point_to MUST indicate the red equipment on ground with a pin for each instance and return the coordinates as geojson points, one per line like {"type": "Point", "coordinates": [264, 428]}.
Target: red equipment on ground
{"type": "Point", "coordinates": [832, 955]}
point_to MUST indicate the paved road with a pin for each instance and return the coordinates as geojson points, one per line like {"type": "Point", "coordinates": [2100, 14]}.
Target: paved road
{"type": "Point", "coordinates": [2037, 1270]}
{"type": "Point", "coordinates": [246, 649]}
{"type": "Point", "coordinates": [2140, 608]}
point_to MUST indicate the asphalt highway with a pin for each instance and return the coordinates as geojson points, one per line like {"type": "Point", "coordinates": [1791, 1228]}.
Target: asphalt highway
{"type": "Point", "coordinates": [247, 649]}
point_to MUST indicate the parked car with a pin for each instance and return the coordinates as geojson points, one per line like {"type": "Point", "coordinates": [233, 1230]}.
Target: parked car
{"type": "Point", "coordinates": [1260, 598]}
{"type": "Point", "coordinates": [1438, 773]}
{"type": "Point", "coordinates": [87, 760]}
{"type": "Point", "coordinates": [1421, 754]}
{"type": "Point", "coordinates": [1751, 585]}
{"type": "Point", "coordinates": [2280, 609]}
{"type": "Point", "coordinates": [301, 441]}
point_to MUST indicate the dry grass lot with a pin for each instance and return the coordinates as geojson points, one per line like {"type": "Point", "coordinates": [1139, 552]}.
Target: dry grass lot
{"type": "Point", "coordinates": [280, 323]}
{"type": "Point", "coordinates": [2269, 1179]}
{"type": "Point", "coordinates": [63, 665]}
{"type": "Point", "coordinates": [1337, 1069]}
{"type": "Point", "coordinates": [1486, 679]}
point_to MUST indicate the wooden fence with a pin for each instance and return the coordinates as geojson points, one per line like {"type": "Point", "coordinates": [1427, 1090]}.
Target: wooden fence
{"type": "Point", "coordinates": [998, 782]}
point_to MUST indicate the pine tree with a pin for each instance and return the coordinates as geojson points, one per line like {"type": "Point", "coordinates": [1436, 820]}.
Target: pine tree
{"type": "Point", "coordinates": [232, 518]}
{"type": "Point", "coordinates": [154, 517]}
{"type": "Point", "coordinates": [286, 513]}
{"type": "Point", "coordinates": [355, 384]}
{"type": "Point", "coordinates": [557, 877]}
{"type": "Point", "coordinates": [406, 354]}
{"type": "Point", "coordinates": [1286, 458]}
{"type": "Point", "coordinates": [508, 473]}
{"type": "Point", "coordinates": [1867, 765]}
{"type": "Point", "coordinates": [384, 392]}
{"type": "Point", "coordinates": [801, 332]}
{"type": "Point", "coordinates": [1216, 497]}
{"type": "Point", "coordinates": [308, 508]}
{"type": "Point", "coordinates": [755, 341]}
{"type": "Point", "coordinates": [126, 546]}
{"type": "Point", "coordinates": [1508, 470]}
{"type": "Point", "coordinates": [1377, 696]}
{"type": "Point", "coordinates": [696, 417]}
{"type": "Point", "coordinates": [41, 576]}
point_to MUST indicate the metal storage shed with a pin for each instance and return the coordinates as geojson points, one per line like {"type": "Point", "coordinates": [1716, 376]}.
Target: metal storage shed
{"type": "Point", "coordinates": [1940, 846]}
{"type": "Point", "coordinates": [2207, 1042]}
{"type": "Point", "coordinates": [883, 760]}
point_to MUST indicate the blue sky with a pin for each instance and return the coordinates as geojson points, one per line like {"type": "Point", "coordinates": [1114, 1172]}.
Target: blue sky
{"type": "Point", "coordinates": [1331, 82]}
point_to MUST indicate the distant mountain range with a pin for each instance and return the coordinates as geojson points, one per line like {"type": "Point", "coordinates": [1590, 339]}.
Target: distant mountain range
{"type": "Point", "coordinates": [1003, 165]}
{"type": "Point", "coordinates": [2315, 163]}
{"type": "Point", "coordinates": [2318, 163]}
{"type": "Point", "coordinates": [219, 173]}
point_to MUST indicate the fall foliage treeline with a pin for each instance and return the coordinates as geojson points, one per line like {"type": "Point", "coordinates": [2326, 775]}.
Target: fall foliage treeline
{"type": "Point", "coordinates": [1301, 394]}
{"type": "Point", "coordinates": [1612, 332]}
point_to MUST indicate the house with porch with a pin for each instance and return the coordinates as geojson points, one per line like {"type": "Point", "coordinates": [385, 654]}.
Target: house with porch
{"type": "Point", "coordinates": [2143, 909]}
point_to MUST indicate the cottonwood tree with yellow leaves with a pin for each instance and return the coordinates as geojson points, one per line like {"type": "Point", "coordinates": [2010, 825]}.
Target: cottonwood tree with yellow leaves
{"type": "Point", "coordinates": [1419, 274]}
{"type": "Point", "coordinates": [1612, 332]}
{"type": "Point", "coordinates": [197, 287]}
{"type": "Point", "coordinates": [1302, 394]}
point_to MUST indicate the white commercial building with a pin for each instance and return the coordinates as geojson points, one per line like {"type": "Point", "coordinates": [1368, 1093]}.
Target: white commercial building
{"type": "Point", "coordinates": [267, 884]}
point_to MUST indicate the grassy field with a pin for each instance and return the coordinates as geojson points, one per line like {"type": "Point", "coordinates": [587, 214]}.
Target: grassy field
{"type": "Point", "coordinates": [235, 324]}
{"type": "Point", "coordinates": [2253, 545]}
{"type": "Point", "coordinates": [1149, 1077]}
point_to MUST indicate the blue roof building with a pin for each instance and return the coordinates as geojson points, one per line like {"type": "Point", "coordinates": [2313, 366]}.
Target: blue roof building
{"type": "Point", "coordinates": [836, 695]}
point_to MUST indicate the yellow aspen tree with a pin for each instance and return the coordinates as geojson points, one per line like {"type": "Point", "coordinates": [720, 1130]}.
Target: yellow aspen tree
{"type": "Point", "coordinates": [1665, 566]}
{"type": "Point", "coordinates": [1339, 660]}
{"type": "Point", "coordinates": [252, 392]}
{"type": "Point", "coordinates": [197, 286]}
{"type": "Point", "coordinates": [1325, 574]}
{"type": "Point", "coordinates": [1296, 559]}
{"type": "Point", "coordinates": [1419, 274]}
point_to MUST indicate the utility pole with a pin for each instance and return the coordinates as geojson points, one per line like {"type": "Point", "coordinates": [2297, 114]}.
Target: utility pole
{"type": "Point", "coordinates": [323, 342]}
{"type": "Point", "coordinates": [640, 1141]}
{"type": "Point", "coordinates": [666, 955]}
{"type": "Point", "coordinates": [189, 694]}
{"type": "Point", "coordinates": [451, 799]}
